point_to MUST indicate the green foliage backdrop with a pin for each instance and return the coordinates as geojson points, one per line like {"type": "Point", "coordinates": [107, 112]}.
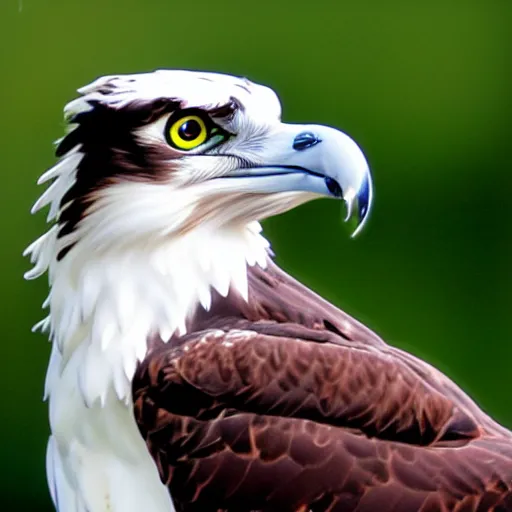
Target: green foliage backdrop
{"type": "Point", "coordinates": [424, 87]}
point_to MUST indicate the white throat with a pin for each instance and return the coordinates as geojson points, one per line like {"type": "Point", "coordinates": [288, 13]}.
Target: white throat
{"type": "Point", "coordinates": [103, 307]}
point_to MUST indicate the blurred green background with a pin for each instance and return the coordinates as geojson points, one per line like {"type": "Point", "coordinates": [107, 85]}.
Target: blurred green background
{"type": "Point", "coordinates": [424, 87]}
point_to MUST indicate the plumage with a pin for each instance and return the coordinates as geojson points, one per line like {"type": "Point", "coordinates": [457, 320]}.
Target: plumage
{"type": "Point", "coordinates": [259, 409]}
{"type": "Point", "coordinates": [187, 370]}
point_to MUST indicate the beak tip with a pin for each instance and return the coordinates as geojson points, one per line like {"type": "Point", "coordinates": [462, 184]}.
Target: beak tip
{"type": "Point", "coordinates": [363, 204]}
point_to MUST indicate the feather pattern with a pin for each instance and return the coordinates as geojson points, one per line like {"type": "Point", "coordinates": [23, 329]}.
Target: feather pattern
{"type": "Point", "coordinates": [284, 403]}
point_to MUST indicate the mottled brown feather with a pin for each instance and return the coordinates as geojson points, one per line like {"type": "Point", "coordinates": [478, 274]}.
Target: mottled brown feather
{"type": "Point", "coordinates": [285, 403]}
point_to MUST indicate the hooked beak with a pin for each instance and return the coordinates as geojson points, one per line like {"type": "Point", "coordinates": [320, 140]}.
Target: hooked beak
{"type": "Point", "coordinates": [315, 159]}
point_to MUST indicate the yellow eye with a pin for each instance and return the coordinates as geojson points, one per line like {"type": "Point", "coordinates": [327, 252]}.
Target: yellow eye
{"type": "Point", "coordinates": [187, 133]}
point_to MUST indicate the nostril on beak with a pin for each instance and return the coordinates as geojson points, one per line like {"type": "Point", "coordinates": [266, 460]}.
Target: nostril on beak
{"type": "Point", "coordinates": [305, 140]}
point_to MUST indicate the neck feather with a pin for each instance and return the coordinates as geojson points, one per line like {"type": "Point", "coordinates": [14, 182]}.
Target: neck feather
{"type": "Point", "coordinates": [104, 306]}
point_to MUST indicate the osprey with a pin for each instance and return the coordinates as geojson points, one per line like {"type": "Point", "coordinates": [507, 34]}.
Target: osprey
{"type": "Point", "coordinates": [187, 370]}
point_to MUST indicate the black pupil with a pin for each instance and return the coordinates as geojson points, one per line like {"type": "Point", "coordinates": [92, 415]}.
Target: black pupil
{"type": "Point", "coordinates": [190, 130]}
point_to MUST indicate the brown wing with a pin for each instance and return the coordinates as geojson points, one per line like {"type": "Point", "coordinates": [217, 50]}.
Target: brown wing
{"type": "Point", "coordinates": [247, 420]}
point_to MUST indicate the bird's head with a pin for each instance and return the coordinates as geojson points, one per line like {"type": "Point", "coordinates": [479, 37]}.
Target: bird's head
{"type": "Point", "coordinates": [149, 156]}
